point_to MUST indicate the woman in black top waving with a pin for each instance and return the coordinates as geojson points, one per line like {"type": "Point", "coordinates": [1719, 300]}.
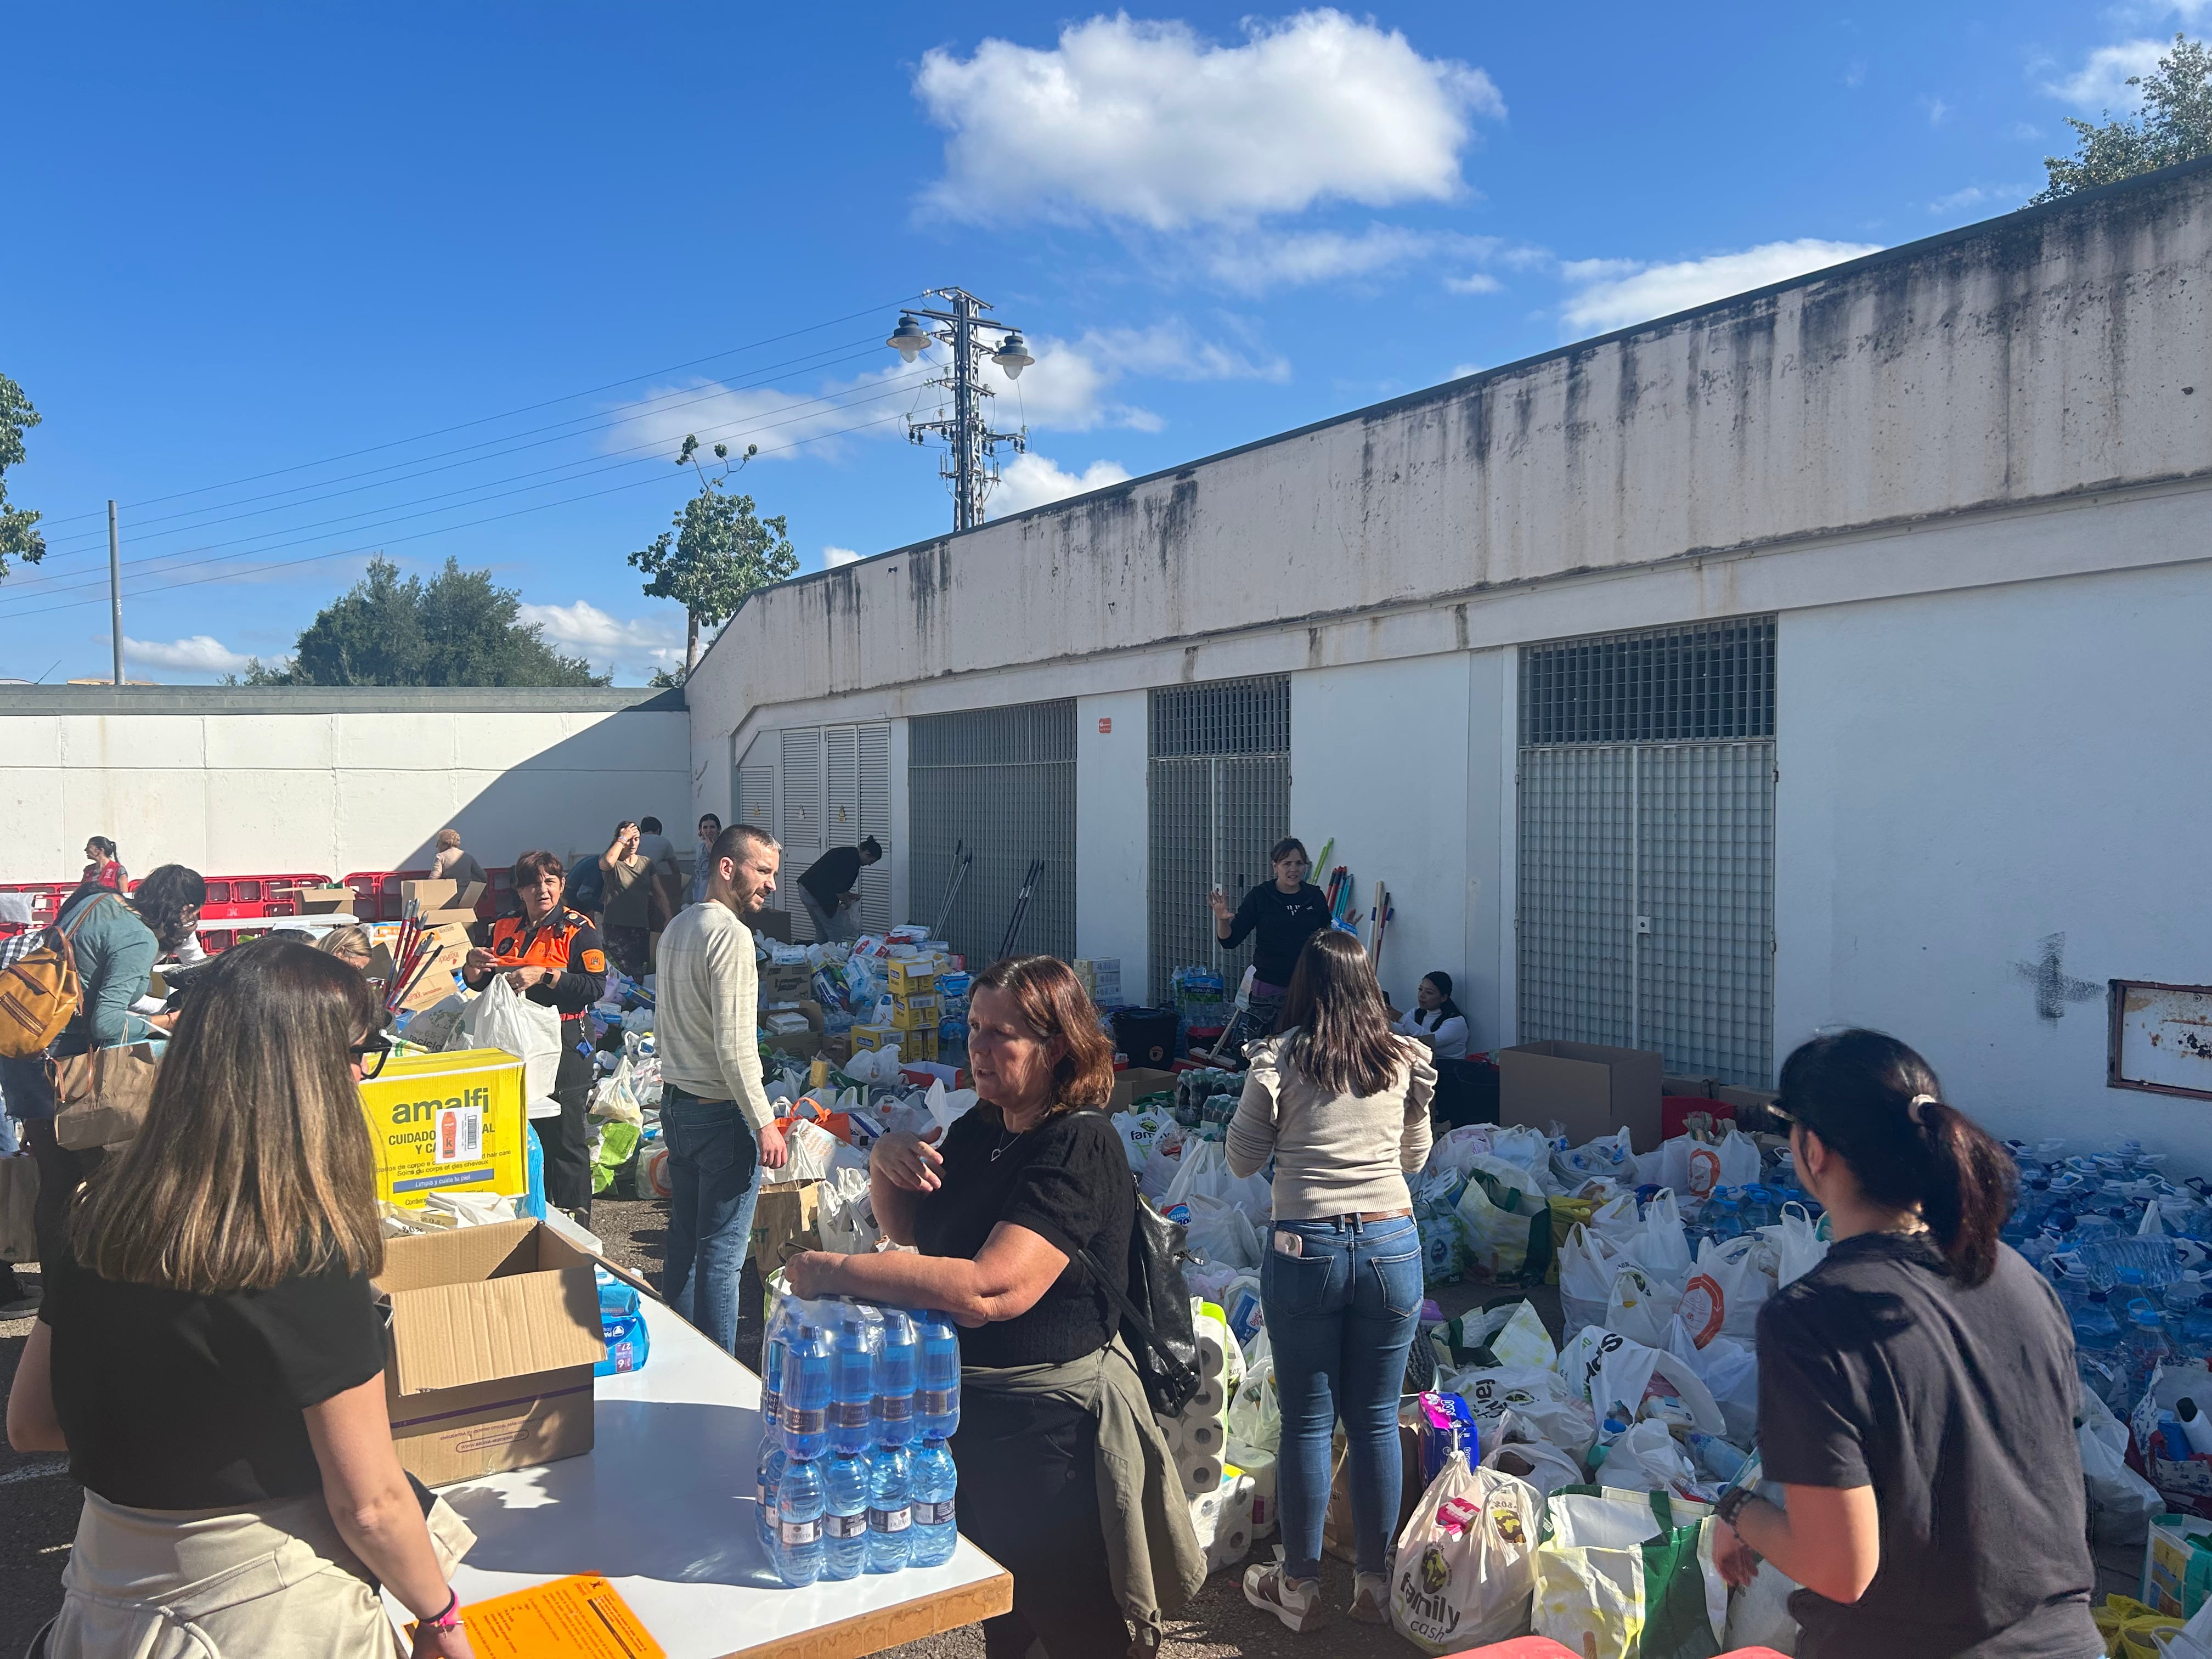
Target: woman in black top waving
{"type": "Point", "coordinates": [208, 1352]}
{"type": "Point", "coordinates": [1916, 1390]}
{"type": "Point", "coordinates": [1032, 1175]}
{"type": "Point", "coordinates": [1284, 912]}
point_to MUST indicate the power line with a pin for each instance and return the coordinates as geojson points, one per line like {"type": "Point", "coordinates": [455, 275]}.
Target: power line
{"type": "Point", "coordinates": [463, 426]}
{"type": "Point", "coordinates": [403, 470]}
{"type": "Point", "coordinates": [31, 589]}
{"type": "Point", "coordinates": [393, 541]}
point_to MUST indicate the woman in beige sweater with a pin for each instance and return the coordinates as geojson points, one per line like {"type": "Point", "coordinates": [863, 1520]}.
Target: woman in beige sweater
{"type": "Point", "coordinates": [1341, 1103]}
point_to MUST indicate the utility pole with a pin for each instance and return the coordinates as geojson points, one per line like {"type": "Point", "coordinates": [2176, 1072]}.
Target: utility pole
{"type": "Point", "coordinates": [115, 589]}
{"type": "Point", "coordinates": [973, 466]}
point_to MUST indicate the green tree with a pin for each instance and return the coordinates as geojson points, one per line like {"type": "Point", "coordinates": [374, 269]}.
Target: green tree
{"type": "Point", "coordinates": [2175, 124]}
{"type": "Point", "coordinates": [19, 537]}
{"type": "Point", "coordinates": [720, 551]}
{"type": "Point", "coordinates": [457, 629]}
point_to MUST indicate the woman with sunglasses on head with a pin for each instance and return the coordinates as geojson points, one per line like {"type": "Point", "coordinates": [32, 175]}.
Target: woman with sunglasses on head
{"type": "Point", "coordinates": [1916, 1390]}
{"type": "Point", "coordinates": [209, 1356]}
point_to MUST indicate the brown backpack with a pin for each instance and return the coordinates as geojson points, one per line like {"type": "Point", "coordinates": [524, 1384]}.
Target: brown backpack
{"type": "Point", "coordinates": [40, 991]}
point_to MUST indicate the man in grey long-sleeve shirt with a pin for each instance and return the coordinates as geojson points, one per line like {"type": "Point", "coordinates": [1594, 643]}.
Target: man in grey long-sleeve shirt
{"type": "Point", "coordinates": [713, 1110]}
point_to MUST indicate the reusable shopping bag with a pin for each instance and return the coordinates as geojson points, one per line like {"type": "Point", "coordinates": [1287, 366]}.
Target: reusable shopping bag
{"type": "Point", "coordinates": [1508, 1225]}
{"type": "Point", "coordinates": [103, 1095]}
{"type": "Point", "coordinates": [1464, 1570]}
{"type": "Point", "coordinates": [1629, 1575]}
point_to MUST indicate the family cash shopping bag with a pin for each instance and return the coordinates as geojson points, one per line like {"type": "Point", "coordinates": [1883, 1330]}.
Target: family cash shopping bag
{"type": "Point", "coordinates": [1629, 1575]}
{"type": "Point", "coordinates": [1463, 1574]}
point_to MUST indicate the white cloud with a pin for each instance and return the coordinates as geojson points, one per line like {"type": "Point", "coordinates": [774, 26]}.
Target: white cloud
{"type": "Point", "coordinates": [1067, 387]}
{"type": "Point", "coordinates": [1937, 111]}
{"type": "Point", "coordinates": [1148, 124]}
{"type": "Point", "coordinates": [608, 641]}
{"type": "Point", "coordinates": [1996, 197]}
{"type": "Point", "coordinates": [1480, 282]}
{"type": "Point", "coordinates": [1612, 293]}
{"type": "Point", "coordinates": [833, 557]}
{"type": "Point", "coordinates": [2101, 83]}
{"type": "Point", "coordinates": [201, 653]}
{"type": "Point", "coordinates": [1461, 371]}
{"type": "Point", "coordinates": [1253, 261]}
{"type": "Point", "coordinates": [785, 424]}
{"type": "Point", "coordinates": [1031, 481]}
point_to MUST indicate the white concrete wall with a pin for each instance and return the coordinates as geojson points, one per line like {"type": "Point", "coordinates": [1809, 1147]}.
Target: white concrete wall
{"type": "Point", "coordinates": [1378, 758]}
{"type": "Point", "coordinates": [1113, 834]}
{"type": "Point", "coordinates": [240, 791]}
{"type": "Point", "coordinates": [1966, 775]}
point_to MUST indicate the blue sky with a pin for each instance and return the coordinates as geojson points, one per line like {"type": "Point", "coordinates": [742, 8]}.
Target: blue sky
{"type": "Point", "coordinates": [294, 283]}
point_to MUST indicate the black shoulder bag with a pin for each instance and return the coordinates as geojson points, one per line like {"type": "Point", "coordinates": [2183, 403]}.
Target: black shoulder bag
{"type": "Point", "coordinates": [1162, 1340]}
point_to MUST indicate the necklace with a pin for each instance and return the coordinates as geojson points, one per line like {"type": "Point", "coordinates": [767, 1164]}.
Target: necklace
{"type": "Point", "coordinates": [1007, 1137]}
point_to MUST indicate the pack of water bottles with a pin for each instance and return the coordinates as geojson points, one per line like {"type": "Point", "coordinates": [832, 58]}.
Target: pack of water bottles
{"type": "Point", "coordinates": [856, 1402]}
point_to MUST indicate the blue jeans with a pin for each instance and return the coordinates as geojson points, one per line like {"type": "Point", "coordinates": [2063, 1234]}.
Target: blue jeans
{"type": "Point", "coordinates": [714, 1178]}
{"type": "Point", "coordinates": [1342, 1315]}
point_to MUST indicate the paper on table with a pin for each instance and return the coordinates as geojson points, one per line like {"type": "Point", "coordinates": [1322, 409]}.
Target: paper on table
{"type": "Point", "coordinates": [582, 1617]}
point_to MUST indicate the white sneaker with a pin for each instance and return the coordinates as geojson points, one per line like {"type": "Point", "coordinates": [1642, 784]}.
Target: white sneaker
{"type": "Point", "coordinates": [1370, 1599]}
{"type": "Point", "coordinates": [1296, 1602]}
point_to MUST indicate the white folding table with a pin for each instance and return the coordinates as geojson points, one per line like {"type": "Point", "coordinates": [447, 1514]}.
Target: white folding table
{"type": "Point", "coordinates": [663, 1506]}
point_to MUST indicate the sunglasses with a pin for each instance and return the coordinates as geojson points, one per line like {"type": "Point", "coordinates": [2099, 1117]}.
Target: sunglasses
{"type": "Point", "coordinates": [371, 1054]}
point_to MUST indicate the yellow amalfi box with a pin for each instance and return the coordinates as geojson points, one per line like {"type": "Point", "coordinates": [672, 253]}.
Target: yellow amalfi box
{"type": "Point", "coordinates": [447, 1121]}
{"type": "Point", "coordinates": [911, 976]}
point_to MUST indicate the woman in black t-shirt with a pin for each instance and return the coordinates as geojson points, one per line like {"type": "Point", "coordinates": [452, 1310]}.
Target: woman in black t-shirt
{"type": "Point", "coordinates": [1916, 1390]}
{"type": "Point", "coordinates": [1033, 1175]}
{"type": "Point", "coordinates": [209, 1352]}
{"type": "Point", "coordinates": [1284, 912]}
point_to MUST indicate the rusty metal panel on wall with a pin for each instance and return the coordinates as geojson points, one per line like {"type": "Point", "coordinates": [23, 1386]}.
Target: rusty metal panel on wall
{"type": "Point", "coordinates": [1001, 781]}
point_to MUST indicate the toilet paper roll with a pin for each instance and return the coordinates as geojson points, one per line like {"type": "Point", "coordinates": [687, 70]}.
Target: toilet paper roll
{"type": "Point", "coordinates": [1236, 1542]}
{"type": "Point", "coordinates": [1205, 1513]}
{"type": "Point", "coordinates": [1200, 1474]}
{"type": "Point", "coordinates": [1205, 1437]}
{"type": "Point", "coordinates": [1210, 1401]}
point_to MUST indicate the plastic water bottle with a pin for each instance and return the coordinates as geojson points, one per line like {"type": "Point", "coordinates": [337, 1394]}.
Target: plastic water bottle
{"type": "Point", "coordinates": [2148, 1348]}
{"type": "Point", "coordinates": [2129, 1291]}
{"type": "Point", "coordinates": [890, 1509]}
{"type": "Point", "coordinates": [807, 1362]}
{"type": "Point", "coordinates": [772, 1346]}
{"type": "Point", "coordinates": [799, 1500]}
{"type": "Point", "coordinates": [935, 1482]}
{"type": "Point", "coordinates": [2197, 1330]}
{"type": "Point", "coordinates": [937, 1405]}
{"type": "Point", "coordinates": [1719, 1458]}
{"type": "Point", "coordinates": [2097, 1340]}
{"type": "Point", "coordinates": [1727, 1215]}
{"type": "Point", "coordinates": [845, 1516]}
{"type": "Point", "coordinates": [898, 1365]}
{"type": "Point", "coordinates": [853, 1380]}
{"type": "Point", "coordinates": [2179, 1299]}
{"type": "Point", "coordinates": [768, 1476]}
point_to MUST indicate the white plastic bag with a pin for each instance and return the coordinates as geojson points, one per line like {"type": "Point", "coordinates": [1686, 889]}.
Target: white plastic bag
{"type": "Point", "coordinates": [1733, 1161]}
{"type": "Point", "coordinates": [1204, 1173]}
{"type": "Point", "coordinates": [1459, 1148]}
{"type": "Point", "coordinates": [1528, 1454]}
{"type": "Point", "coordinates": [1616, 1222]}
{"type": "Point", "coordinates": [1758, 1616]}
{"type": "Point", "coordinates": [1798, 1246]}
{"type": "Point", "coordinates": [1606, 1369]}
{"type": "Point", "coordinates": [2121, 1502]}
{"type": "Point", "coordinates": [1641, 1305]}
{"type": "Point", "coordinates": [1255, 1417]}
{"type": "Point", "coordinates": [1515, 1335]}
{"type": "Point", "coordinates": [1568, 1424]}
{"type": "Point", "coordinates": [1518, 1144]}
{"type": "Point", "coordinates": [616, 1097]}
{"type": "Point", "coordinates": [1730, 1370]}
{"type": "Point", "coordinates": [1223, 1235]}
{"type": "Point", "coordinates": [1490, 1390]}
{"type": "Point", "coordinates": [1465, 1567]}
{"type": "Point", "coordinates": [1663, 1245]}
{"type": "Point", "coordinates": [845, 1217]}
{"type": "Point", "coordinates": [1137, 1131]}
{"type": "Point", "coordinates": [1586, 1265]}
{"type": "Point", "coordinates": [502, 1017]}
{"type": "Point", "coordinates": [1161, 1163]}
{"type": "Point", "coordinates": [1726, 1290]}
{"type": "Point", "coordinates": [1647, 1459]}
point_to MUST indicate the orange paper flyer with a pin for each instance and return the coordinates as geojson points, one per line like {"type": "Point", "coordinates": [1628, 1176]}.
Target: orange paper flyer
{"type": "Point", "coordinates": [582, 1617]}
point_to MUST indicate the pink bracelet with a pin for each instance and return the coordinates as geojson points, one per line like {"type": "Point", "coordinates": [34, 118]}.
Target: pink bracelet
{"type": "Point", "coordinates": [451, 1618]}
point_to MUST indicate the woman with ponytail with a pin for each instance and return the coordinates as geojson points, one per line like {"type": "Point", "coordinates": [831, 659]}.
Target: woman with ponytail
{"type": "Point", "coordinates": [1916, 1390]}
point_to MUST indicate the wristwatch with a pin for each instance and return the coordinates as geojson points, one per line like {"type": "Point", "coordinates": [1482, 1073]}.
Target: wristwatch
{"type": "Point", "coordinates": [1732, 1503]}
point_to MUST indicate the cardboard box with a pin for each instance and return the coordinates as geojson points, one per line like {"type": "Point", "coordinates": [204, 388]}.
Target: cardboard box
{"type": "Point", "coordinates": [785, 982]}
{"type": "Point", "coordinates": [784, 1223]}
{"type": "Point", "coordinates": [1135, 1083]}
{"type": "Point", "coordinates": [908, 976]}
{"type": "Point", "coordinates": [325, 901]}
{"type": "Point", "coordinates": [1591, 1089]}
{"type": "Point", "coordinates": [488, 1355]}
{"type": "Point", "coordinates": [444, 900]}
{"type": "Point", "coordinates": [772, 924]}
{"type": "Point", "coordinates": [804, 1044]}
{"type": "Point", "coordinates": [872, 1036]}
{"type": "Point", "coordinates": [449, 1121]}
{"type": "Point", "coordinates": [1700, 1088]}
{"type": "Point", "coordinates": [913, 1013]}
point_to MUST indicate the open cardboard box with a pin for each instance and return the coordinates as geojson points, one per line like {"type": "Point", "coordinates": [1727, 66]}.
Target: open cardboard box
{"type": "Point", "coordinates": [325, 901]}
{"type": "Point", "coordinates": [443, 901]}
{"type": "Point", "coordinates": [492, 1334]}
{"type": "Point", "coordinates": [1134, 1083]}
{"type": "Point", "coordinates": [1589, 1088]}
{"type": "Point", "coordinates": [803, 1044]}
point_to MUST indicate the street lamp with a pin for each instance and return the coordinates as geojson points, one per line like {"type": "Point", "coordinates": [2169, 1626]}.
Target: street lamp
{"type": "Point", "coordinates": [972, 468]}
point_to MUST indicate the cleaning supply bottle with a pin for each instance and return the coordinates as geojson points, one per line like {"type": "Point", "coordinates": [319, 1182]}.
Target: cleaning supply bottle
{"type": "Point", "coordinates": [890, 1509]}
{"type": "Point", "coordinates": [808, 1360]}
{"type": "Point", "coordinates": [935, 1482]}
{"type": "Point", "coordinates": [2196, 1427]}
{"type": "Point", "coordinates": [845, 1516]}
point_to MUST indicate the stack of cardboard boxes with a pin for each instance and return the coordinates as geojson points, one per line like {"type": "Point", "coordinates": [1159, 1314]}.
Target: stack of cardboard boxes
{"type": "Point", "coordinates": [915, 1011]}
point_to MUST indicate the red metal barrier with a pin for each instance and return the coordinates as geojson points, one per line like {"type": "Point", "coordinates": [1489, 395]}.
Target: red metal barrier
{"type": "Point", "coordinates": [379, 895]}
{"type": "Point", "coordinates": [250, 898]}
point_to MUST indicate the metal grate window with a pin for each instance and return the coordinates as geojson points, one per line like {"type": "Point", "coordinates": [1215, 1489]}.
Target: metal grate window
{"type": "Point", "coordinates": [757, 797]}
{"type": "Point", "coordinates": [1646, 907]}
{"type": "Point", "coordinates": [1662, 685]}
{"type": "Point", "coordinates": [1213, 812]}
{"type": "Point", "coordinates": [1003, 781]}
{"type": "Point", "coordinates": [1225, 717]}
